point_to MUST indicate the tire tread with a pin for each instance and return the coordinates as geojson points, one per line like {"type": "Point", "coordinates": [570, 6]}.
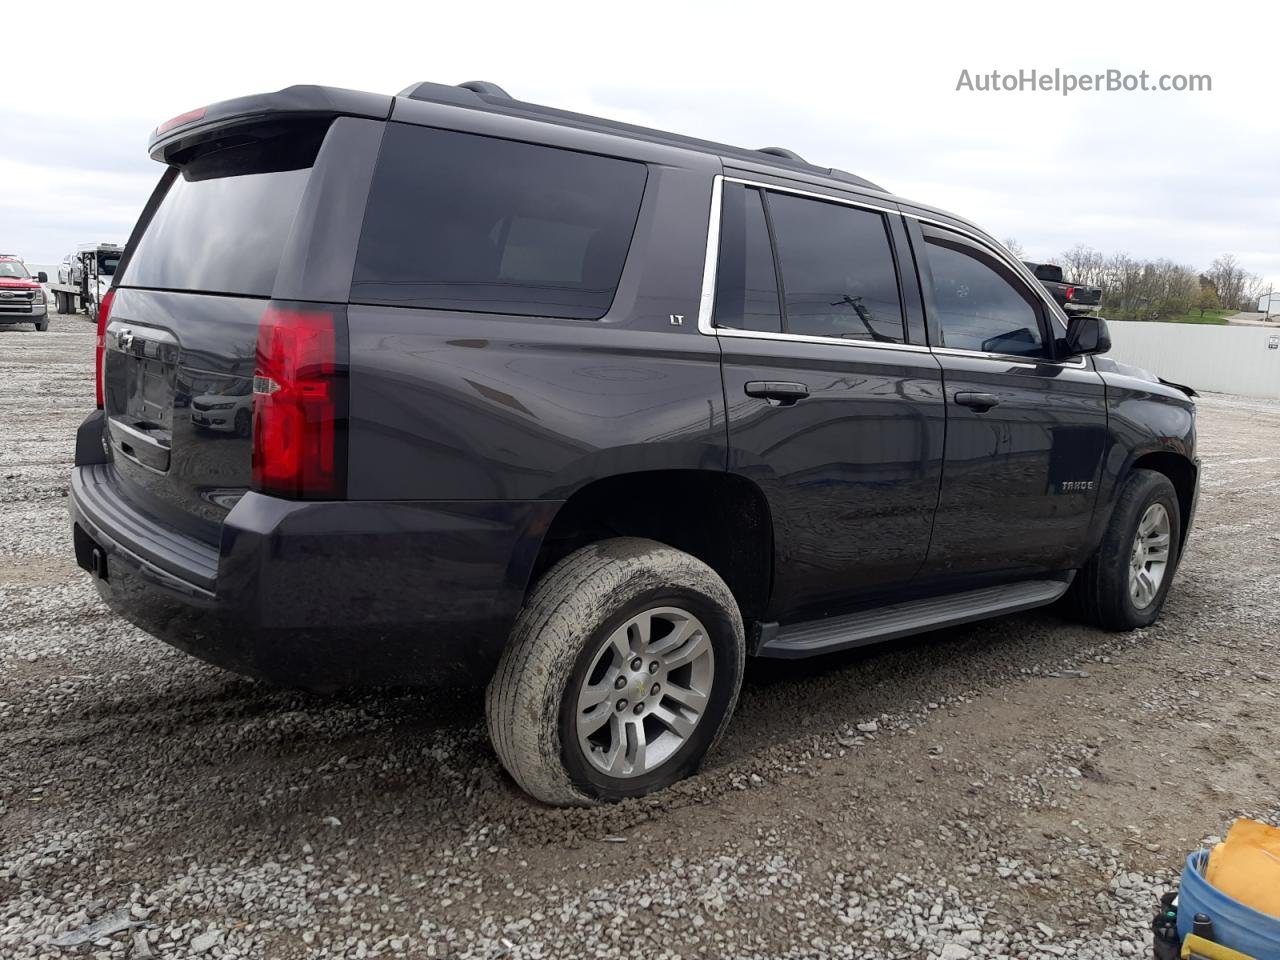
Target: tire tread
{"type": "Point", "coordinates": [522, 701]}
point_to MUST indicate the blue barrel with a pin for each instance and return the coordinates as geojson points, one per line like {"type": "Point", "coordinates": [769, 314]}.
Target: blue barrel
{"type": "Point", "coordinates": [1234, 925]}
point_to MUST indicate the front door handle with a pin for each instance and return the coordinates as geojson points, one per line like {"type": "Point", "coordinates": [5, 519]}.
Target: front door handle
{"type": "Point", "coordinates": [979, 401]}
{"type": "Point", "coordinates": [784, 392]}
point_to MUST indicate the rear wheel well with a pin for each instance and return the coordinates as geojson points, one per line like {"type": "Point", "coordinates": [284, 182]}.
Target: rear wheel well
{"type": "Point", "coordinates": [1181, 473]}
{"type": "Point", "coordinates": [720, 518]}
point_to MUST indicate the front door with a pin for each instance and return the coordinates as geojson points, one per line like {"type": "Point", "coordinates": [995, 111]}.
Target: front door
{"type": "Point", "coordinates": [1025, 430]}
{"type": "Point", "coordinates": [831, 412]}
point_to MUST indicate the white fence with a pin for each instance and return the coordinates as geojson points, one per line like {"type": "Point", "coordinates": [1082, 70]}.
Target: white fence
{"type": "Point", "coordinates": [1234, 359]}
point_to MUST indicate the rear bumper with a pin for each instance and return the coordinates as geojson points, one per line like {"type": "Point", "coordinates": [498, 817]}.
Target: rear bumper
{"type": "Point", "coordinates": [320, 595]}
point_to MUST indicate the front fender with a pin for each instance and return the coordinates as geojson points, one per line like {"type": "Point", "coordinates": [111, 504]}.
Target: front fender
{"type": "Point", "coordinates": [1144, 417]}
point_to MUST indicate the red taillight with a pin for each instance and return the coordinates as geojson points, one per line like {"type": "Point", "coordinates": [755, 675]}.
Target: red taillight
{"type": "Point", "coordinates": [299, 404]}
{"type": "Point", "coordinates": [1071, 293]}
{"type": "Point", "coordinates": [104, 317]}
{"type": "Point", "coordinates": [191, 116]}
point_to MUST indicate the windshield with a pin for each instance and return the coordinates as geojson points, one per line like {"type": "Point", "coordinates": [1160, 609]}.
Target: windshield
{"type": "Point", "coordinates": [14, 268]}
{"type": "Point", "coordinates": [107, 262]}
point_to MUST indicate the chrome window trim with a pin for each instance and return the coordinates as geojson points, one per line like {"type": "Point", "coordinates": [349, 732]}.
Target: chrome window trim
{"type": "Point", "coordinates": [1010, 358]}
{"type": "Point", "coordinates": [826, 341]}
{"type": "Point", "coordinates": [706, 303]}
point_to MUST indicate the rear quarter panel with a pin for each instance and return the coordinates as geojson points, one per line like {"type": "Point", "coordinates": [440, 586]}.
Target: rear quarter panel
{"type": "Point", "coordinates": [460, 405]}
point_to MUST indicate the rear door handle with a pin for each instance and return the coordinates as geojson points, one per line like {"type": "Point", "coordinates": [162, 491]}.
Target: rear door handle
{"type": "Point", "coordinates": [979, 401]}
{"type": "Point", "coordinates": [783, 391]}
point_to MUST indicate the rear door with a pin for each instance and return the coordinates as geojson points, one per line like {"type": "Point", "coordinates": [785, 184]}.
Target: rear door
{"type": "Point", "coordinates": [224, 233]}
{"type": "Point", "coordinates": [831, 410]}
{"type": "Point", "coordinates": [1025, 431]}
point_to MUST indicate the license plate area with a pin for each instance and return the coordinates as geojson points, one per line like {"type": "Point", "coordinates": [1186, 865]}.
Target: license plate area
{"type": "Point", "coordinates": [140, 374]}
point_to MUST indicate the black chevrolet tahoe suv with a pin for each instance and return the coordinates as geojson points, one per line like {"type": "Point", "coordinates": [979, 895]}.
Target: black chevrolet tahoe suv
{"type": "Point", "coordinates": [597, 410]}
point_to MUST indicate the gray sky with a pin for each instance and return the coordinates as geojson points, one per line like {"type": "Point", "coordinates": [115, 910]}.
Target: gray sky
{"type": "Point", "coordinates": [1181, 175]}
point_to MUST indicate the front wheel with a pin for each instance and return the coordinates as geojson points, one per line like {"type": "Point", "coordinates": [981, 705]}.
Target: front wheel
{"type": "Point", "coordinates": [620, 676]}
{"type": "Point", "coordinates": [1124, 584]}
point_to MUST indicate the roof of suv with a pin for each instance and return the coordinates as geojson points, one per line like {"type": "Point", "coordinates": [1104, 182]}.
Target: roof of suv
{"type": "Point", "coordinates": [482, 95]}
{"type": "Point", "coordinates": [173, 137]}
{"type": "Point", "coordinates": [170, 137]}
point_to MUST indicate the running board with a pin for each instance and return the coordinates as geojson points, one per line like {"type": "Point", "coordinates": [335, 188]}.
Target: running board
{"type": "Point", "coordinates": [904, 619]}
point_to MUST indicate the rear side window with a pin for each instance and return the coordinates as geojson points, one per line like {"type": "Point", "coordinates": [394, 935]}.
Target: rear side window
{"type": "Point", "coordinates": [838, 275]}
{"type": "Point", "coordinates": [746, 284]}
{"type": "Point", "coordinates": [457, 221]}
{"type": "Point", "coordinates": [223, 224]}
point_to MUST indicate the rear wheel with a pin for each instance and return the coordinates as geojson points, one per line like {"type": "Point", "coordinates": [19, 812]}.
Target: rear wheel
{"type": "Point", "coordinates": [621, 674]}
{"type": "Point", "coordinates": [1125, 583]}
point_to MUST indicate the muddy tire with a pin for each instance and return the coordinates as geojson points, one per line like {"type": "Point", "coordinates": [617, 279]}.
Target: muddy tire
{"type": "Point", "coordinates": [620, 675]}
{"type": "Point", "coordinates": [1124, 584]}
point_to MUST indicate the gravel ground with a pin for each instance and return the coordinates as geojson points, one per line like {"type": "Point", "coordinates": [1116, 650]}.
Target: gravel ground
{"type": "Point", "coordinates": [1019, 788]}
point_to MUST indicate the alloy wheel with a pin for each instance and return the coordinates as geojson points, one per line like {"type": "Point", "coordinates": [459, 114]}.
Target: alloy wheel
{"type": "Point", "coordinates": [646, 691]}
{"type": "Point", "coordinates": [1149, 560]}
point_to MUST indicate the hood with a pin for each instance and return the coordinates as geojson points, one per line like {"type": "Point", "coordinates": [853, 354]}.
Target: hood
{"type": "Point", "coordinates": [16, 283]}
{"type": "Point", "coordinates": [1109, 365]}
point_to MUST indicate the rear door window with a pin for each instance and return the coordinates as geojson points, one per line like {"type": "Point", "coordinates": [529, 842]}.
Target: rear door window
{"type": "Point", "coordinates": [457, 221]}
{"type": "Point", "coordinates": [838, 274]}
{"type": "Point", "coordinates": [746, 283]}
{"type": "Point", "coordinates": [223, 223]}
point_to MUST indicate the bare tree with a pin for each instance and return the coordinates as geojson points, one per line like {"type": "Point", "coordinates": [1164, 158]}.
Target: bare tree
{"type": "Point", "coordinates": [1151, 289]}
{"type": "Point", "coordinates": [1013, 246]}
{"type": "Point", "coordinates": [1236, 287]}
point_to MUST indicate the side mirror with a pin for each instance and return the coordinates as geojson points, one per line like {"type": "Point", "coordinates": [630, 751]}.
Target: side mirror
{"type": "Point", "coordinates": [42, 277]}
{"type": "Point", "coordinates": [1086, 335]}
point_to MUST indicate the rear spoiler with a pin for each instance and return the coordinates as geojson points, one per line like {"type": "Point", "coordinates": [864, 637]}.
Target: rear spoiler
{"type": "Point", "coordinates": [175, 135]}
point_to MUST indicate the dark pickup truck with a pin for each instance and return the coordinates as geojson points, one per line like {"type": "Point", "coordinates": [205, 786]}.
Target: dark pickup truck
{"type": "Point", "coordinates": [1072, 297]}
{"type": "Point", "coordinates": [594, 411]}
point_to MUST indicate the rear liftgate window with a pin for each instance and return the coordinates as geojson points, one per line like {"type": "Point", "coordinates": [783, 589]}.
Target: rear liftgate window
{"type": "Point", "coordinates": [463, 222]}
{"type": "Point", "coordinates": [223, 223]}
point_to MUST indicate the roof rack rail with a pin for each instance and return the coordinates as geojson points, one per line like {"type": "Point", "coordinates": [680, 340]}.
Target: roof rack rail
{"type": "Point", "coordinates": [483, 95]}
{"type": "Point", "coordinates": [782, 152]}
{"type": "Point", "coordinates": [486, 89]}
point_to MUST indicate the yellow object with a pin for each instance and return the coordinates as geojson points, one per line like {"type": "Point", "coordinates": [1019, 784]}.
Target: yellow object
{"type": "Point", "coordinates": [1194, 948]}
{"type": "Point", "coordinates": [1246, 866]}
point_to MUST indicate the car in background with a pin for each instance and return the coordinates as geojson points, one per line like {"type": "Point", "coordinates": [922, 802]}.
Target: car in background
{"type": "Point", "coordinates": [21, 295]}
{"type": "Point", "coordinates": [1072, 297]}
{"type": "Point", "coordinates": [226, 411]}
